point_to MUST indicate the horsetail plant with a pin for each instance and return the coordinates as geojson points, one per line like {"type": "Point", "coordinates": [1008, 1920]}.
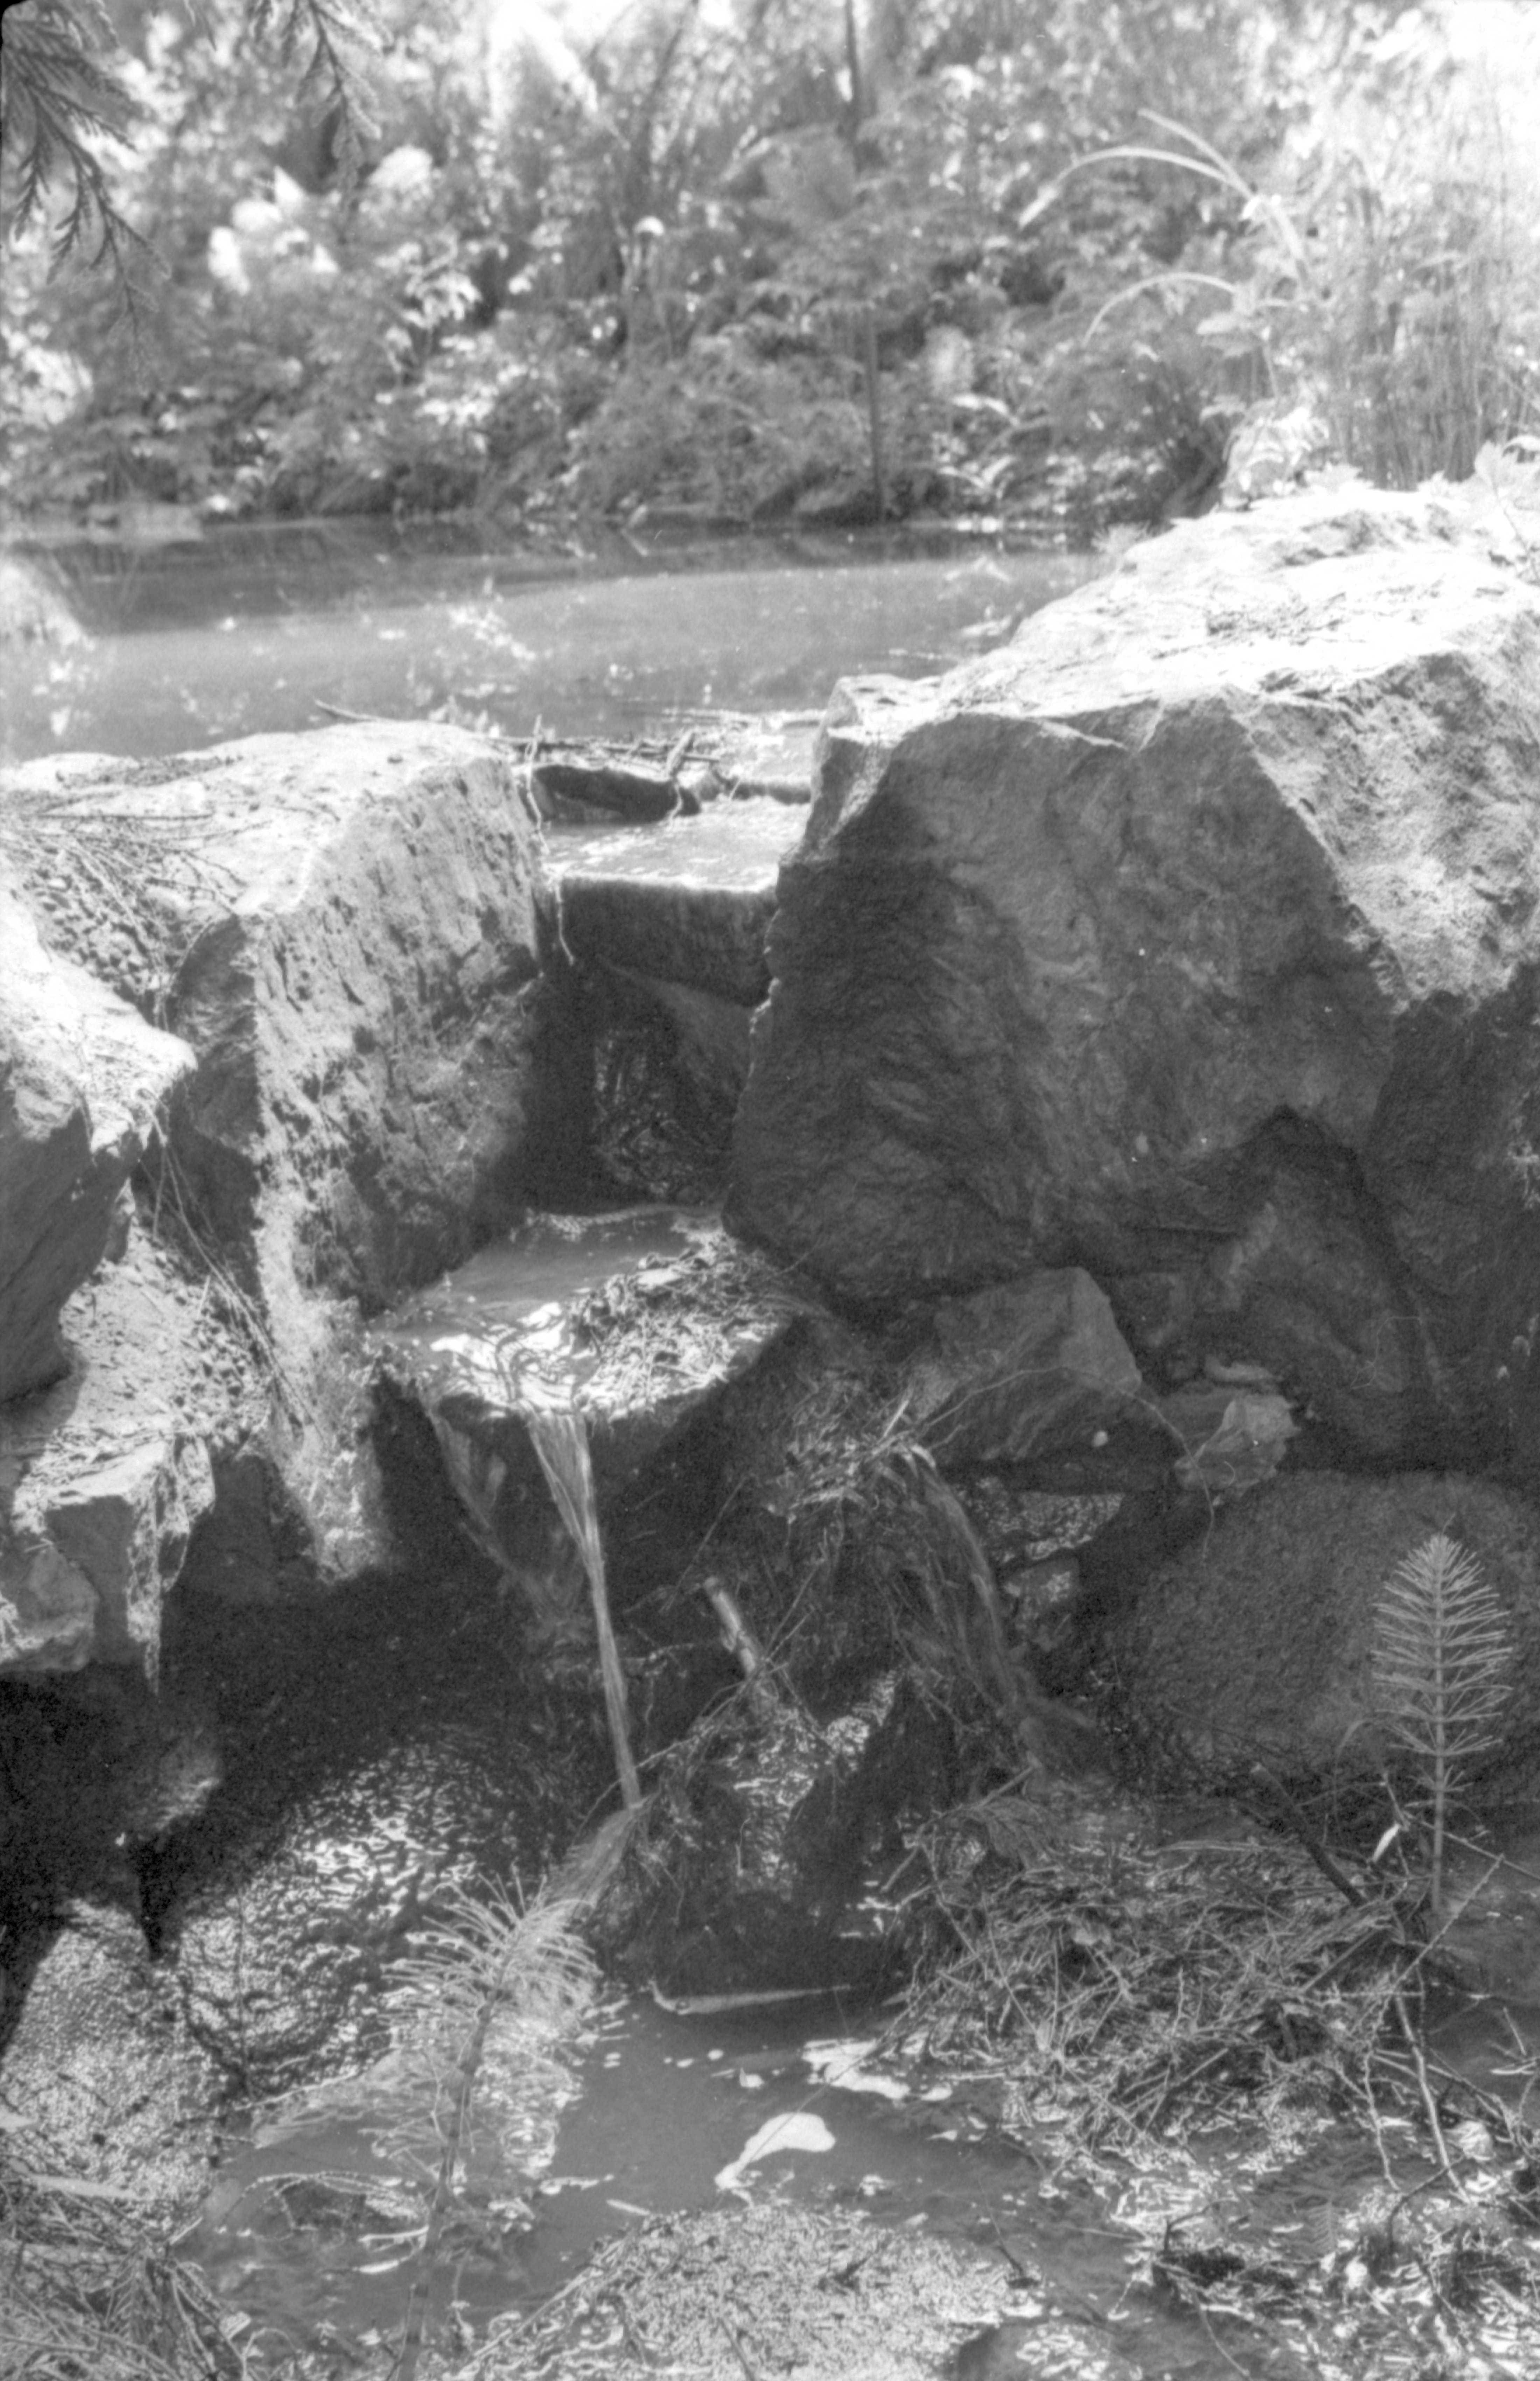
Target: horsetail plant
{"type": "Point", "coordinates": [481, 2012]}
{"type": "Point", "coordinates": [1442, 1655]}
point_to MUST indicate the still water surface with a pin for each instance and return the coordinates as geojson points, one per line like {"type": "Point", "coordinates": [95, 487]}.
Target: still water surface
{"type": "Point", "coordinates": [246, 631]}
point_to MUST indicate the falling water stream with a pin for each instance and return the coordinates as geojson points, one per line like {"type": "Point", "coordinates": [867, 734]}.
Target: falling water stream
{"type": "Point", "coordinates": [303, 2231]}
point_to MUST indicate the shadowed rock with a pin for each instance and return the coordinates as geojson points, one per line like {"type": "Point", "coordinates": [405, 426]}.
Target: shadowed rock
{"type": "Point", "coordinates": [1190, 940]}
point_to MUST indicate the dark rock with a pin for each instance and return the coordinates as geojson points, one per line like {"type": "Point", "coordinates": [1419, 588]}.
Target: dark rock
{"type": "Point", "coordinates": [747, 1871]}
{"type": "Point", "coordinates": [1190, 940]}
{"type": "Point", "coordinates": [666, 931]}
{"type": "Point", "coordinates": [1255, 1641]}
{"type": "Point", "coordinates": [669, 1067]}
{"type": "Point", "coordinates": [688, 905]}
{"type": "Point", "coordinates": [632, 791]}
{"type": "Point", "coordinates": [641, 1354]}
{"type": "Point", "coordinates": [1016, 1371]}
{"type": "Point", "coordinates": [397, 1735]}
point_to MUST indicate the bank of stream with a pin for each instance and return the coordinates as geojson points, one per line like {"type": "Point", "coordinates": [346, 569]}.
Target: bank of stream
{"type": "Point", "coordinates": [1179, 2154]}
{"type": "Point", "coordinates": [1138, 2085]}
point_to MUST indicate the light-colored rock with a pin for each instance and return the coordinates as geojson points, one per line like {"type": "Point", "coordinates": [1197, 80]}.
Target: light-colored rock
{"type": "Point", "coordinates": [1189, 939]}
{"type": "Point", "coordinates": [83, 1078]}
{"type": "Point", "coordinates": [104, 1475]}
{"type": "Point", "coordinates": [346, 929]}
{"type": "Point", "coordinates": [103, 2083]}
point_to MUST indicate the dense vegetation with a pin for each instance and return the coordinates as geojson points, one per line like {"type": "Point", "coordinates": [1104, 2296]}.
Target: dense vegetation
{"type": "Point", "coordinates": [767, 259]}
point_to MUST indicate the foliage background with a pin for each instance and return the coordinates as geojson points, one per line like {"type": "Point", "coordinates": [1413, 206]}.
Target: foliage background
{"type": "Point", "coordinates": [685, 263]}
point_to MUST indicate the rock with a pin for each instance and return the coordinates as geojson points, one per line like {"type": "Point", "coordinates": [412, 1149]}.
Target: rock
{"type": "Point", "coordinates": [667, 929]}
{"type": "Point", "coordinates": [1190, 940]}
{"type": "Point", "coordinates": [641, 1353]}
{"type": "Point", "coordinates": [689, 904]}
{"type": "Point", "coordinates": [106, 2085]}
{"type": "Point", "coordinates": [347, 928]}
{"type": "Point", "coordinates": [393, 1737]}
{"type": "Point", "coordinates": [669, 1067]}
{"type": "Point", "coordinates": [1255, 1641]}
{"type": "Point", "coordinates": [98, 1763]}
{"type": "Point", "coordinates": [82, 1079]}
{"type": "Point", "coordinates": [748, 1874]}
{"type": "Point", "coordinates": [639, 791]}
{"type": "Point", "coordinates": [1016, 1371]}
{"type": "Point", "coordinates": [103, 1476]}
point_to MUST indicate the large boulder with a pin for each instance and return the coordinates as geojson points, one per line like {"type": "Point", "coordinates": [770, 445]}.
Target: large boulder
{"type": "Point", "coordinates": [1256, 1642]}
{"type": "Point", "coordinates": [1189, 939]}
{"type": "Point", "coordinates": [83, 1078]}
{"type": "Point", "coordinates": [347, 927]}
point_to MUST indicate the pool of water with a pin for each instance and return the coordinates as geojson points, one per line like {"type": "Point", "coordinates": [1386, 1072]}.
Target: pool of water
{"type": "Point", "coordinates": [666, 2108]}
{"type": "Point", "coordinates": [736, 845]}
{"type": "Point", "coordinates": [232, 636]}
{"type": "Point", "coordinates": [542, 1264]}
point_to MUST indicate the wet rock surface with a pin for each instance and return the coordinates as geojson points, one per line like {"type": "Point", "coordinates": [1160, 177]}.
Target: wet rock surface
{"type": "Point", "coordinates": [1016, 1372]}
{"type": "Point", "coordinates": [380, 1746]}
{"type": "Point", "coordinates": [100, 2074]}
{"type": "Point", "coordinates": [667, 932]}
{"type": "Point", "coordinates": [1188, 939]}
{"type": "Point", "coordinates": [641, 1353]}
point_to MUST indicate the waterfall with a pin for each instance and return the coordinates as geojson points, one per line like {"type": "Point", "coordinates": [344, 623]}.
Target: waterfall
{"type": "Point", "coordinates": [560, 1437]}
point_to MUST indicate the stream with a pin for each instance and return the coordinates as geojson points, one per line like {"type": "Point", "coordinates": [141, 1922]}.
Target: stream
{"type": "Point", "coordinates": [249, 630]}
{"type": "Point", "coordinates": [302, 2232]}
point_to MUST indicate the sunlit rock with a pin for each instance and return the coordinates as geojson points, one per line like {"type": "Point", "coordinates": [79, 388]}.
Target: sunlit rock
{"type": "Point", "coordinates": [83, 1078]}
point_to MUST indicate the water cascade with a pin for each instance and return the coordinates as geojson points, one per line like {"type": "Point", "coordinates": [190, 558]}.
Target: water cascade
{"type": "Point", "coordinates": [560, 1438]}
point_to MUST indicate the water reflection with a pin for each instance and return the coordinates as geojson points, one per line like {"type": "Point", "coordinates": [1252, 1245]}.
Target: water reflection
{"type": "Point", "coordinates": [198, 648]}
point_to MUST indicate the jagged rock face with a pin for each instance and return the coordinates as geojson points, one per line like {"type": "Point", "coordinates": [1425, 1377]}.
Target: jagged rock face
{"type": "Point", "coordinates": [346, 928]}
{"type": "Point", "coordinates": [81, 1078]}
{"type": "Point", "coordinates": [103, 1476]}
{"type": "Point", "coordinates": [1191, 939]}
{"type": "Point", "coordinates": [361, 1000]}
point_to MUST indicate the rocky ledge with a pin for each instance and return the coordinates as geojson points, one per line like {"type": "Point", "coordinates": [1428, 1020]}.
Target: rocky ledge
{"type": "Point", "coordinates": [339, 939]}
